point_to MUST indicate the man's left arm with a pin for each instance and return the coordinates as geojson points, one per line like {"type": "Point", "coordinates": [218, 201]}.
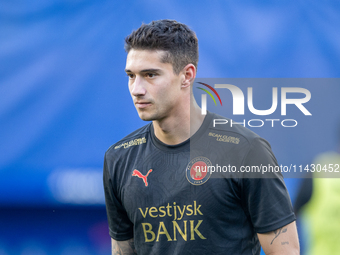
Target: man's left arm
{"type": "Point", "coordinates": [282, 241]}
{"type": "Point", "coordinates": [267, 202]}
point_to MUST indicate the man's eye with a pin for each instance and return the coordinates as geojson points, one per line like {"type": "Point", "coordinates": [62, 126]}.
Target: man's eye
{"type": "Point", "coordinates": [130, 75]}
{"type": "Point", "coordinates": [150, 75]}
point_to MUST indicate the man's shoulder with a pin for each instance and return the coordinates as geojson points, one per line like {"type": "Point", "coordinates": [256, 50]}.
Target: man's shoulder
{"type": "Point", "coordinates": [135, 138]}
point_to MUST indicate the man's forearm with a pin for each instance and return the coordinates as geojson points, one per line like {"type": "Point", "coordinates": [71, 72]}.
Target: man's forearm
{"type": "Point", "coordinates": [282, 241]}
{"type": "Point", "coordinates": [123, 247]}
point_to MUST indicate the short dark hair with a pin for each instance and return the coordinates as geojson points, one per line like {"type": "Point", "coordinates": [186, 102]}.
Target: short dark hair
{"type": "Point", "coordinates": [176, 39]}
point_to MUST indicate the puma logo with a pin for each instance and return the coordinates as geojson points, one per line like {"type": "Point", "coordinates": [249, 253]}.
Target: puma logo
{"type": "Point", "coordinates": [144, 177]}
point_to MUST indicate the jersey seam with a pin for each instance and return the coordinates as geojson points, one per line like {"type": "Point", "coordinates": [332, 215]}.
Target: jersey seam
{"type": "Point", "coordinates": [240, 179]}
{"type": "Point", "coordinates": [250, 144]}
{"type": "Point", "coordinates": [168, 150]}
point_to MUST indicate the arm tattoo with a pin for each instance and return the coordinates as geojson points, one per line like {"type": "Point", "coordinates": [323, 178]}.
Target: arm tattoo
{"type": "Point", "coordinates": [131, 242]}
{"type": "Point", "coordinates": [123, 247]}
{"type": "Point", "coordinates": [278, 232]}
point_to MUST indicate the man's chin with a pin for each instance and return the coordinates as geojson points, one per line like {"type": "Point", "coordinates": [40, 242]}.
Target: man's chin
{"type": "Point", "coordinates": [146, 117]}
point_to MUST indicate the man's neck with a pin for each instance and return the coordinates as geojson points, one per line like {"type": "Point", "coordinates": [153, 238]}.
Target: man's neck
{"type": "Point", "coordinates": [177, 129]}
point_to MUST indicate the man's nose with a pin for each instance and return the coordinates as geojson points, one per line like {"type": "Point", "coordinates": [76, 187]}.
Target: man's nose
{"type": "Point", "coordinates": [138, 87]}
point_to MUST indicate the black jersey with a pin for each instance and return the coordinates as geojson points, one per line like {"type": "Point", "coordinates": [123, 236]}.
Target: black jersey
{"type": "Point", "coordinates": [165, 198]}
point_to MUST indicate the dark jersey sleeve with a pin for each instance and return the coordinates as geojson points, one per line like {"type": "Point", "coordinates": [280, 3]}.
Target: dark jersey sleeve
{"type": "Point", "coordinates": [265, 196]}
{"type": "Point", "coordinates": [120, 227]}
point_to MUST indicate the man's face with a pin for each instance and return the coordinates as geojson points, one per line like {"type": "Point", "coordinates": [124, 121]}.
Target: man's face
{"type": "Point", "coordinates": [154, 87]}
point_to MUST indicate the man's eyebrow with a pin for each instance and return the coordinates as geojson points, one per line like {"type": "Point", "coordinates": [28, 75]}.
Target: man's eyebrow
{"type": "Point", "coordinates": [151, 70]}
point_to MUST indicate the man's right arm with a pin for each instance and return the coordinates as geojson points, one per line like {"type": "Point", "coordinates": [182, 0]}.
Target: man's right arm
{"type": "Point", "coordinates": [123, 247]}
{"type": "Point", "coordinates": [119, 223]}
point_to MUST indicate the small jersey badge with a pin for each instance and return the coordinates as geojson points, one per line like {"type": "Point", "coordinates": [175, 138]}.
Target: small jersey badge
{"type": "Point", "coordinates": [140, 175]}
{"type": "Point", "coordinates": [198, 171]}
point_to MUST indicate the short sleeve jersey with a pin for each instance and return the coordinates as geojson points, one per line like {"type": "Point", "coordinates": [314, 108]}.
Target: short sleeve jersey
{"type": "Point", "coordinates": [194, 197]}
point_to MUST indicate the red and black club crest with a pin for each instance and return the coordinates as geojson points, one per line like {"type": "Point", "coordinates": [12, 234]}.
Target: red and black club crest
{"type": "Point", "coordinates": [198, 170]}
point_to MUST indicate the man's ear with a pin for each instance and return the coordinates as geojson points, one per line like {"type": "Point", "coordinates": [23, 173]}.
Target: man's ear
{"type": "Point", "coordinates": [189, 74]}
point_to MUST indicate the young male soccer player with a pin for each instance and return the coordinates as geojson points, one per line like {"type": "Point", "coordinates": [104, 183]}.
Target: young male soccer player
{"type": "Point", "coordinates": [159, 199]}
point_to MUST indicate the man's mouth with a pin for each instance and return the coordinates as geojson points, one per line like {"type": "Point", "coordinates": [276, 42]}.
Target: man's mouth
{"type": "Point", "coordinates": [141, 104]}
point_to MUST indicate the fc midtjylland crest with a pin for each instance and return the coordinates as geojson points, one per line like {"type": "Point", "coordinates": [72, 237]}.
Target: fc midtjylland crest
{"type": "Point", "coordinates": [198, 170]}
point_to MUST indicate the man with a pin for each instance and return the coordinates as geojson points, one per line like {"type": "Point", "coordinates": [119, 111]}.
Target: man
{"type": "Point", "coordinates": [159, 197]}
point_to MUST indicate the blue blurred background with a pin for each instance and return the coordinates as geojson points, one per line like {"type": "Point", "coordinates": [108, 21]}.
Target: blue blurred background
{"type": "Point", "coordinates": [64, 99]}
